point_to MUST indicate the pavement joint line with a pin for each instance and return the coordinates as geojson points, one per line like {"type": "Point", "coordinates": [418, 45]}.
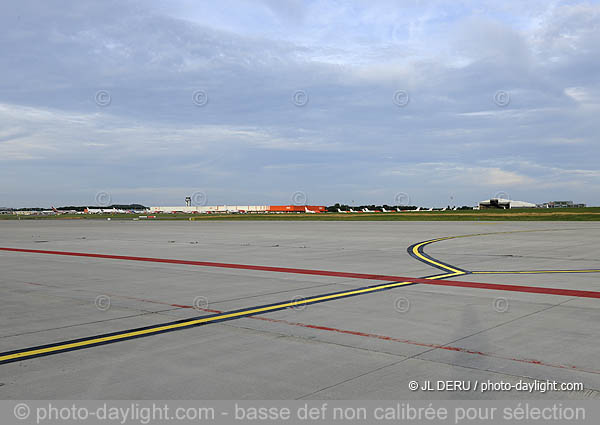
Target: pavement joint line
{"type": "Point", "coordinates": [143, 300]}
{"type": "Point", "coordinates": [275, 293]}
{"type": "Point", "coordinates": [412, 357]}
{"type": "Point", "coordinates": [495, 326]}
{"type": "Point", "coordinates": [495, 372]}
{"type": "Point", "coordinates": [103, 339]}
{"type": "Point", "coordinates": [416, 356]}
{"type": "Point", "coordinates": [90, 323]}
{"type": "Point", "coordinates": [415, 250]}
{"type": "Point", "coordinates": [352, 378]}
{"type": "Point", "coordinates": [430, 346]}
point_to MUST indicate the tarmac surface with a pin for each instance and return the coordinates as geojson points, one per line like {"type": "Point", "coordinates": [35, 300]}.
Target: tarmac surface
{"type": "Point", "coordinates": [138, 327]}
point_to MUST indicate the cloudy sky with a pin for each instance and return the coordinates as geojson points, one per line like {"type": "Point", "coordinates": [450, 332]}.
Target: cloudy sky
{"type": "Point", "coordinates": [253, 102]}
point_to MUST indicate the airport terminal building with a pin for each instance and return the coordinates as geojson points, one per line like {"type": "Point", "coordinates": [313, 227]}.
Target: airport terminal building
{"type": "Point", "coordinates": [238, 209]}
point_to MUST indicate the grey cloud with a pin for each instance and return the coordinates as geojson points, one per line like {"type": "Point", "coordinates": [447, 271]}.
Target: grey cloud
{"type": "Point", "coordinates": [350, 131]}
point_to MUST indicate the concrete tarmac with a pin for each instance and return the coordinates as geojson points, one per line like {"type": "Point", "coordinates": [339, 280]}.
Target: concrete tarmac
{"type": "Point", "coordinates": [367, 346]}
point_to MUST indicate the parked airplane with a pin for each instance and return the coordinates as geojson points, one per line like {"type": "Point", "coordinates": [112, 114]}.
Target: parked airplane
{"type": "Point", "coordinates": [367, 210]}
{"type": "Point", "coordinates": [340, 211]}
{"type": "Point", "coordinates": [306, 210]}
{"type": "Point", "coordinates": [57, 211]}
{"type": "Point", "coordinates": [103, 211]}
{"type": "Point", "coordinates": [415, 210]}
{"type": "Point", "coordinates": [53, 211]}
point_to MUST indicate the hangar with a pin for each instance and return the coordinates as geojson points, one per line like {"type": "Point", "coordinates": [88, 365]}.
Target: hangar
{"type": "Point", "coordinates": [505, 204]}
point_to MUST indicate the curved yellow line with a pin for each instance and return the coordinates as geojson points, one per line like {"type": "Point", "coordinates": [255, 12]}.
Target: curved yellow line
{"type": "Point", "coordinates": [454, 272]}
{"type": "Point", "coordinates": [443, 276]}
{"type": "Point", "coordinates": [416, 252]}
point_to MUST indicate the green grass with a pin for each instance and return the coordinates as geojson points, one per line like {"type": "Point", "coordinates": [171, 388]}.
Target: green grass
{"type": "Point", "coordinates": [558, 214]}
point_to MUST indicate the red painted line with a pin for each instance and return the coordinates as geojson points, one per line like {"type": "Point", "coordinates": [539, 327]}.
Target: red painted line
{"type": "Point", "coordinates": [424, 344]}
{"type": "Point", "coordinates": [212, 264]}
{"type": "Point", "coordinates": [518, 288]}
{"type": "Point", "coordinates": [145, 300]}
{"type": "Point", "coordinates": [412, 342]}
{"type": "Point", "coordinates": [479, 285]}
{"type": "Point", "coordinates": [361, 334]}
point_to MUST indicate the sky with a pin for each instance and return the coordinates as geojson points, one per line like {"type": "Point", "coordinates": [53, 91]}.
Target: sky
{"type": "Point", "coordinates": [320, 101]}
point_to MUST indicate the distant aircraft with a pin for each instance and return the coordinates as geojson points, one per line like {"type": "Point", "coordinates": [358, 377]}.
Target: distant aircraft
{"type": "Point", "coordinates": [306, 210]}
{"type": "Point", "coordinates": [454, 209]}
{"type": "Point", "coordinates": [57, 211]}
{"type": "Point", "coordinates": [103, 210]}
{"type": "Point", "coordinates": [340, 211]}
{"type": "Point", "coordinates": [444, 209]}
{"type": "Point", "coordinates": [352, 211]}
{"type": "Point", "coordinates": [367, 210]}
{"type": "Point", "coordinates": [53, 211]}
{"type": "Point", "coordinates": [430, 209]}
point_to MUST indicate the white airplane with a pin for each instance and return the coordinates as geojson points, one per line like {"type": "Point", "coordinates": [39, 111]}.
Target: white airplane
{"type": "Point", "coordinates": [93, 210]}
{"type": "Point", "coordinates": [340, 211]}
{"type": "Point", "coordinates": [103, 210]}
{"type": "Point", "coordinates": [306, 210]}
{"type": "Point", "coordinates": [53, 210]}
{"type": "Point", "coordinates": [430, 209]}
{"type": "Point", "coordinates": [444, 209]}
{"type": "Point", "coordinates": [454, 209]}
{"type": "Point", "coordinates": [398, 210]}
{"type": "Point", "coordinates": [367, 210]}
{"type": "Point", "coordinates": [384, 210]}
{"type": "Point", "coordinates": [352, 211]}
